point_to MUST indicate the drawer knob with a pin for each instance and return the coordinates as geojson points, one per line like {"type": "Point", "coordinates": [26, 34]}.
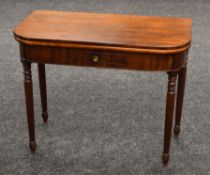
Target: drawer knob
{"type": "Point", "coordinates": [95, 58]}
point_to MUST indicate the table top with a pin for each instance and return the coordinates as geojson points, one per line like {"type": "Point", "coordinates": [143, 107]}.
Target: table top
{"type": "Point", "coordinates": [105, 30]}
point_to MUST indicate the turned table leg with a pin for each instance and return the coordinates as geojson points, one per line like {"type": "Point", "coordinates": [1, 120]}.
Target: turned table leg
{"type": "Point", "coordinates": [180, 98]}
{"type": "Point", "coordinates": [43, 91]}
{"type": "Point", "coordinates": [169, 115]}
{"type": "Point", "coordinates": [29, 104]}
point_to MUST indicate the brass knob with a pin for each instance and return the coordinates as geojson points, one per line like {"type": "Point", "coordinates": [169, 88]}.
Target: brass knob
{"type": "Point", "coordinates": [95, 58]}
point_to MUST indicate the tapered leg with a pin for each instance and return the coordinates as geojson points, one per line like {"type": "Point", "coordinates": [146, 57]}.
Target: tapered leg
{"type": "Point", "coordinates": [180, 98]}
{"type": "Point", "coordinates": [43, 91]}
{"type": "Point", "coordinates": [169, 115]}
{"type": "Point", "coordinates": [29, 104]}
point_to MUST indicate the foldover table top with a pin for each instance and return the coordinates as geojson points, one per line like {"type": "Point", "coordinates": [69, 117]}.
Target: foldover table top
{"type": "Point", "coordinates": [95, 30]}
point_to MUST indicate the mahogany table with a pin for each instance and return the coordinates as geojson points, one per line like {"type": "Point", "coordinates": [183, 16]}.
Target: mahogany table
{"type": "Point", "coordinates": [131, 42]}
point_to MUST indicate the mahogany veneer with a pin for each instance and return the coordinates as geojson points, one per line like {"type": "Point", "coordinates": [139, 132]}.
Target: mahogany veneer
{"type": "Point", "coordinates": [108, 41]}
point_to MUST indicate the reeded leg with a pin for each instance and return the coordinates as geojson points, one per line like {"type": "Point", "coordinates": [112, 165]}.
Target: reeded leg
{"type": "Point", "coordinates": [43, 91]}
{"type": "Point", "coordinates": [169, 115]}
{"type": "Point", "coordinates": [29, 104]}
{"type": "Point", "coordinates": [180, 98]}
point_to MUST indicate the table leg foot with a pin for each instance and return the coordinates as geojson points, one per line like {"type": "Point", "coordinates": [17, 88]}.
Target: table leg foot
{"type": "Point", "coordinates": [45, 116]}
{"type": "Point", "coordinates": [176, 130]}
{"type": "Point", "coordinates": [32, 146]}
{"type": "Point", "coordinates": [165, 159]}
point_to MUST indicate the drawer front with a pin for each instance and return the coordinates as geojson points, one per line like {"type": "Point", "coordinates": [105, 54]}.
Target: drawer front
{"type": "Point", "coordinates": [96, 59]}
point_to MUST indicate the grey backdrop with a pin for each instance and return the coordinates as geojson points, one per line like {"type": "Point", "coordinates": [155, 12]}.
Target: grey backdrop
{"type": "Point", "coordinates": [104, 122]}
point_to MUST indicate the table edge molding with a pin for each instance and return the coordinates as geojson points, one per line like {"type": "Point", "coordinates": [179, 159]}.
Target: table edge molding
{"type": "Point", "coordinates": [174, 50]}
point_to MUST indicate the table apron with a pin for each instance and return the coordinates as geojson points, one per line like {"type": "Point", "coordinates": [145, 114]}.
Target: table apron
{"type": "Point", "coordinates": [102, 58]}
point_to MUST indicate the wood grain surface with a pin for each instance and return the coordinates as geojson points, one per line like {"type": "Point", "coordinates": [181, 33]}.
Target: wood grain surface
{"type": "Point", "coordinates": [107, 30]}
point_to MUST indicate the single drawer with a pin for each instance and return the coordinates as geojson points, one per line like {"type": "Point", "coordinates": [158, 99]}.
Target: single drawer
{"type": "Point", "coordinates": [95, 58]}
